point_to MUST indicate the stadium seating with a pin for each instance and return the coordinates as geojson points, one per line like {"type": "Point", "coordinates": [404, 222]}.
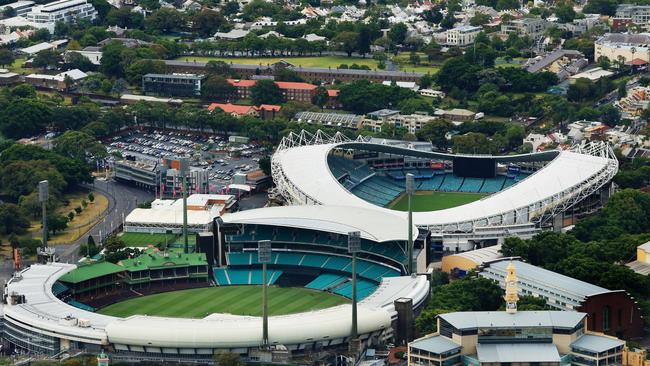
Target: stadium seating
{"type": "Point", "coordinates": [239, 259]}
{"type": "Point", "coordinates": [326, 281]}
{"type": "Point", "coordinates": [292, 259]}
{"type": "Point", "coordinates": [81, 306]}
{"type": "Point", "coordinates": [221, 276]}
{"type": "Point", "coordinates": [239, 276]}
{"type": "Point", "coordinates": [451, 183]}
{"type": "Point", "coordinates": [338, 263]}
{"type": "Point", "coordinates": [364, 288]}
{"type": "Point", "coordinates": [471, 185]}
{"type": "Point", "coordinates": [58, 288]}
{"type": "Point", "coordinates": [493, 185]}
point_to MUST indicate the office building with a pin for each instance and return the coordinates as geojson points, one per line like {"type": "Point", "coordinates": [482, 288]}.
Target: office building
{"type": "Point", "coordinates": [462, 36]}
{"type": "Point", "coordinates": [61, 11]}
{"type": "Point", "coordinates": [178, 85]}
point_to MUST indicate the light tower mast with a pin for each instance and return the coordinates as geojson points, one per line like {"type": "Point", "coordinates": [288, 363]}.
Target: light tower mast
{"type": "Point", "coordinates": [512, 289]}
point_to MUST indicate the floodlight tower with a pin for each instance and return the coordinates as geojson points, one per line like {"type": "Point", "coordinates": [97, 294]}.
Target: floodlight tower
{"type": "Point", "coordinates": [409, 193]}
{"type": "Point", "coordinates": [354, 245]}
{"type": "Point", "coordinates": [43, 193]}
{"type": "Point", "coordinates": [264, 257]}
{"type": "Point", "coordinates": [183, 165]}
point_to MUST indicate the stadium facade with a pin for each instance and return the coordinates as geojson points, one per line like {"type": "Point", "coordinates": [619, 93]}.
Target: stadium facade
{"type": "Point", "coordinates": [50, 309]}
{"type": "Point", "coordinates": [520, 194]}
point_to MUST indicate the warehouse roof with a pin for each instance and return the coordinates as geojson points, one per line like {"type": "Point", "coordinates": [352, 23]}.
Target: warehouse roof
{"type": "Point", "coordinates": [543, 277]}
{"type": "Point", "coordinates": [436, 344]}
{"type": "Point", "coordinates": [92, 270]}
{"type": "Point", "coordinates": [596, 343]}
{"type": "Point", "coordinates": [517, 353]}
{"type": "Point", "coordinates": [501, 319]}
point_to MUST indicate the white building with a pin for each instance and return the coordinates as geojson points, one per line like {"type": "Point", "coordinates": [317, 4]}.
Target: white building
{"type": "Point", "coordinates": [61, 11]}
{"type": "Point", "coordinates": [462, 36]}
{"type": "Point", "coordinates": [627, 46]}
{"type": "Point", "coordinates": [21, 7]}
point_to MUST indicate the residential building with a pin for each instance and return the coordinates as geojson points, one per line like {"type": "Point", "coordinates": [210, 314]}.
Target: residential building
{"type": "Point", "coordinates": [402, 84]}
{"type": "Point", "coordinates": [637, 14]}
{"type": "Point", "coordinates": [627, 47]}
{"type": "Point", "coordinates": [234, 109]}
{"type": "Point", "coordinates": [459, 115]}
{"type": "Point", "coordinates": [20, 7]}
{"type": "Point", "coordinates": [127, 42]}
{"type": "Point", "coordinates": [375, 121]}
{"type": "Point", "coordinates": [61, 81]}
{"type": "Point", "coordinates": [591, 74]}
{"type": "Point", "coordinates": [636, 100]}
{"type": "Point", "coordinates": [563, 63]}
{"type": "Point", "coordinates": [333, 99]}
{"type": "Point", "coordinates": [61, 11]}
{"type": "Point", "coordinates": [181, 85]}
{"type": "Point", "coordinates": [462, 36]}
{"type": "Point", "coordinates": [511, 337]}
{"type": "Point", "coordinates": [432, 93]}
{"type": "Point", "coordinates": [268, 111]}
{"type": "Point", "coordinates": [531, 27]}
{"type": "Point", "coordinates": [92, 53]}
{"type": "Point", "coordinates": [615, 312]}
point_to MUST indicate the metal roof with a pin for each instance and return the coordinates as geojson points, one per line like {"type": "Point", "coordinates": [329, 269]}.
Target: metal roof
{"type": "Point", "coordinates": [596, 343]}
{"type": "Point", "coordinates": [92, 270]}
{"type": "Point", "coordinates": [517, 352]}
{"type": "Point", "coordinates": [482, 255]}
{"type": "Point", "coordinates": [373, 225]}
{"type": "Point", "coordinates": [501, 319]}
{"type": "Point", "coordinates": [527, 273]}
{"type": "Point", "coordinates": [436, 344]}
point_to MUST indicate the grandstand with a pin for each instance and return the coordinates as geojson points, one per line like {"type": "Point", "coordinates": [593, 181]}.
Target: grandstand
{"type": "Point", "coordinates": [513, 195]}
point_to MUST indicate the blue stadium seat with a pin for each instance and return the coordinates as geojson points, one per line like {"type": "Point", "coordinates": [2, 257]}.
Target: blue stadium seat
{"type": "Point", "coordinates": [471, 185]}
{"type": "Point", "coordinates": [493, 185]}
{"type": "Point", "coordinates": [58, 288]}
{"type": "Point", "coordinates": [314, 260]}
{"type": "Point", "coordinates": [451, 183]}
{"type": "Point", "coordinates": [81, 306]}
{"type": "Point", "coordinates": [239, 259]}
{"type": "Point", "coordinates": [338, 263]}
{"type": "Point", "coordinates": [220, 277]}
{"type": "Point", "coordinates": [325, 281]}
{"type": "Point", "coordinates": [239, 276]}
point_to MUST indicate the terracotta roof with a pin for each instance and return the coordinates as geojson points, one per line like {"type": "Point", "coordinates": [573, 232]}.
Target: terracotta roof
{"type": "Point", "coordinates": [637, 62]}
{"type": "Point", "coordinates": [241, 83]}
{"type": "Point", "coordinates": [333, 92]}
{"type": "Point", "coordinates": [231, 108]}
{"type": "Point", "coordinates": [294, 85]}
{"type": "Point", "coordinates": [269, 107]}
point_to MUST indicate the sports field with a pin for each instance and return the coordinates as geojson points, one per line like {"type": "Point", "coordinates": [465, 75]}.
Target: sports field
{"type": "Point", "coordinates": [145, 239]}
{"type": "Point", "coordinates": [238, 300]}
{"type": "Point", "coordinates": [434, 201]}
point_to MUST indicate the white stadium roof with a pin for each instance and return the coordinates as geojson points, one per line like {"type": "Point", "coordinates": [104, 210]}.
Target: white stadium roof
{"type": "Point", "coordinates": [48, 314]}
{"type": "Point", "coordinates": [374, 225]}
{"type": "Point", "coordinates": [306, 168]}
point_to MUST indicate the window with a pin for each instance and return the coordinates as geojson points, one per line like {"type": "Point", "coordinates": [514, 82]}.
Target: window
{"type": "Point", "coordinates": [606, 320]}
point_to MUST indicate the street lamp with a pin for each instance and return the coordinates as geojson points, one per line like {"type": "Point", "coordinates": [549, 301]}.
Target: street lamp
{"type": "Point", "coordinates": [354, 246]}
{"type": "Point", "coordinates": [409, 192]}
{"type": "Point", "coordinates": [264, 257]}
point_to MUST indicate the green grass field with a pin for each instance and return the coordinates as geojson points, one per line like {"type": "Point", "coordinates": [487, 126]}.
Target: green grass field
{"type": "Point", "coordinates": [310, 61]}
{"type": "Point", "coordinates": [238, 300]}
{"type": "Point", "coordinates": [434, 201]}
{"type": "Point", "coordinates": [145, 239]}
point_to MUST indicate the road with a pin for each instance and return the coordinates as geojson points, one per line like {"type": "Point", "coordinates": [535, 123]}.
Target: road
{"type": "Point", "coordinates": [122, 200]}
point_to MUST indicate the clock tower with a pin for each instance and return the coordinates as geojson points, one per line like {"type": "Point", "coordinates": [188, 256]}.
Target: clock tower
{"type": "Point", "coordinates": [512, 289]}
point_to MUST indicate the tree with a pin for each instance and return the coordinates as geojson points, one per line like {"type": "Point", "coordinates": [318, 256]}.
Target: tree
{"type": "Point", "coordinates": [397, 33]}
{"type": "Point", "coordinates": [218, 68]}
{"type": "Point", "coordinates": [46, 59]}
{"type": "Point", "coordinates": [12, 219]}
{"type": "Point", "coordinates": [347, 42]}
{"type": "Point", "coordinates": [6, 57]}
{"type": "Point", "coordinates": [9, 12]}
{"type": "Point", "coordinates": [412, 105]}
{"type": "Point", "coordinates": [207, 22]}
{"type": "Point", "coordinates": [565, 13]}
{"type": "Point", "coordinates": [266, 92]}
{"type": "Point", "coordinates": [473, 143]}
{"type": "Point", "coordinates": [480, 19]}
{"type": "Point", "coordinates": [436, 132]}
{"type": "Point", "coordinates": [414, 58]}
{"type": "Point", "coordinates": [79, 146]}
{"type": "Point", "coordinates": [320, 97]}
{"type": "Point", "coordinates": [227, 359]}
{"type": "Point", "coordinates": [91, 197]}
{"type": "Point", "coordinates": [610, 115]}
{"type": "Point", "coordinates": [75, 60]}
{"type": "Point", "coordinates": [265, 165]}
{"type": "Point", "coordinates": [165, 20]}
{"type": "Point", "coordinates": [111, 62]}
{"type": "Point", "coordinates": [139, 68]}
{"type": "Point", "coordinates": [457, 72]}
{"type": "Point", "coordinates": [70, 216]}
{"type": "Point", "coordinates": [217, 88]}
{"type": "Point", "coordinates": [24, 118]}
{"type": "Point", "coordinates": [56, 222]}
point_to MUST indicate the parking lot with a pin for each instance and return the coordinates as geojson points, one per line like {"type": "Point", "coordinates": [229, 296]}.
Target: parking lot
{"type": "Point", "coordinates": [207, 152]}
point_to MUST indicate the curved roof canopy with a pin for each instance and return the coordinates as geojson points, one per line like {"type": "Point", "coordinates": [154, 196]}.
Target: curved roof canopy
{"type": "Point", "coordinates": [374, 225]}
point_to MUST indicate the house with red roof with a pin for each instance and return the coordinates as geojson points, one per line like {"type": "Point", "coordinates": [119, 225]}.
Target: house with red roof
{"type": "Point", "coordinates": [234, 109]}
{"type": "Point", "coordinates": [333, 99]}
{"type": "Point", "coordinates": [268, 111]}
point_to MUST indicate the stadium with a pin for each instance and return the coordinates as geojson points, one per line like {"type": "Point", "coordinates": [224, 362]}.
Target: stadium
{"type": "Point", "coordinates": [462, 202]}
{"type": "Point", "coordinates": [167, 305]}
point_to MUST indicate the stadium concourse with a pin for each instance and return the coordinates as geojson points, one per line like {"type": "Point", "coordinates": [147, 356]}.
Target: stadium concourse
{"type": "Point", "coordinates": [464, 201]}
{"type": "Point", "coordinates": [56, 308]}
